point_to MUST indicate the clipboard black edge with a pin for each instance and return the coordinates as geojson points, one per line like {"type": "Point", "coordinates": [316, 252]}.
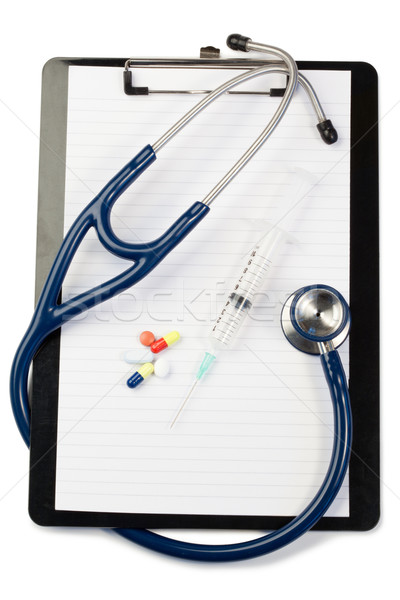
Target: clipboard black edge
{"type": "Point", "coordinates": [364, 294]}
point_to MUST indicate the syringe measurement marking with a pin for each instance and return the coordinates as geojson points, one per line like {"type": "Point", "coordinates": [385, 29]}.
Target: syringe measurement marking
{"type": "Point", "coordinates": [258, 273]}
{"type": "Point", "coordinates": [222, 317]}
{"type": "Point", "coordinates": [230, 326]}
{"type": "Point", "coordinates": [223, 337]}
{"type": "Point", "coordinates": [252, 287]}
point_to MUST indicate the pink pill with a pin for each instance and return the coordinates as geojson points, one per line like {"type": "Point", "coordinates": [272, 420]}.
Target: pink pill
{"type": "Point", "coordinates": [146, 338]}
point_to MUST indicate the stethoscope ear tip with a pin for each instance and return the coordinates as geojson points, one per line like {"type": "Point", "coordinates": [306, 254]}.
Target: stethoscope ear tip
{"type": "Point", "coordinates": [327, 132]}
{"type": "Point", "coordinates": [315, 315]}
{"type": "Point", "coordinates": [235, 41]}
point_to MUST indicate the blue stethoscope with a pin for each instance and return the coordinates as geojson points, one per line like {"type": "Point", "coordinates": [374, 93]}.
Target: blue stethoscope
{"type": "Point", "coordinates": [315, 319]}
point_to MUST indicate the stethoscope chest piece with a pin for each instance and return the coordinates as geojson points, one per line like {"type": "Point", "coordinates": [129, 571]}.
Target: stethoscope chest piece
{"type": "Point", "coordinates": [315, 315]}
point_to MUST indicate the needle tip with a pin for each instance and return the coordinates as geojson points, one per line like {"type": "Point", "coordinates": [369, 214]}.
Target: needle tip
{"type": "Point", "coordinates": [183, 404]}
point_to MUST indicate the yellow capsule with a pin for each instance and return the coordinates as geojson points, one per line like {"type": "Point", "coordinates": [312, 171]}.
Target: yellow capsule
{"type": "Point", "coordinates": [141, 374]}
{"type": "Point", "coordinates": [146, 370]}
{"type": "Point", "coordinates": [172, 337]}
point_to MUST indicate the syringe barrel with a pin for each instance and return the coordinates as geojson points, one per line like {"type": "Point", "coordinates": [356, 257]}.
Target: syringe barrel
{"type": "Point", "coordinates": [229, 321]}
{"type": "Point", "coordinates": [241, 299]}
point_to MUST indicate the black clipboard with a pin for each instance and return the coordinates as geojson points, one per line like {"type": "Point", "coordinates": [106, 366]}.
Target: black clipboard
{"type": "Point", "coordinates": [364, 294]}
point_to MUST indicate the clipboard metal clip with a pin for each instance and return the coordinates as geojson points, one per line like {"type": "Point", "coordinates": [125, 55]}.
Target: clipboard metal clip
{"type": "Point", "coordinates": [209, 59]}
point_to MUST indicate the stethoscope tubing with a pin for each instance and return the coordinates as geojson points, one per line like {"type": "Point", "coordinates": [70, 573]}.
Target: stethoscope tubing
{"type": "Point", "coordinates": [327, 492]}
{"type": "Point", "coordinates": [337, 469]}
{"type": "Point", "coordinates": [49, 315]}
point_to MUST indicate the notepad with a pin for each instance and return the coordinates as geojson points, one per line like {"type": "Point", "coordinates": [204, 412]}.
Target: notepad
{"type": "Point", "coordinates": [256, 437]}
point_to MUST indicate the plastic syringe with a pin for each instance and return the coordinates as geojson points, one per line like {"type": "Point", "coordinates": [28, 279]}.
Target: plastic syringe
{"type": "Point", "coordinates": [238, 304]}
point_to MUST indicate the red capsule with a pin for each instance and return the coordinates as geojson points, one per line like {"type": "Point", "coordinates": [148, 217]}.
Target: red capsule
{"type": "Point", "coordinates": [164, 342]}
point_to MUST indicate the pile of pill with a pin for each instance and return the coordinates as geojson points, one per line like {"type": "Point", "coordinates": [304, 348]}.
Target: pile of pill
{"type": "Point", "coordinates": [160, 367]}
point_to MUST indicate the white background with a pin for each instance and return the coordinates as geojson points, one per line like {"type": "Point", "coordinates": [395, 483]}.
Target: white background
{"type": "Point", "coordinates": [49, 563]}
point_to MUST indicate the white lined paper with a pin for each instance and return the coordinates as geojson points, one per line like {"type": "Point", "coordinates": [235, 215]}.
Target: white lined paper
{"type": "Point", "coordinates": [255, 445]}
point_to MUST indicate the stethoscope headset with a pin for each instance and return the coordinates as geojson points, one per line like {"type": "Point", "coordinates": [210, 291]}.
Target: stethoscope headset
{"type": "Point", "coordinates": [315, 319]}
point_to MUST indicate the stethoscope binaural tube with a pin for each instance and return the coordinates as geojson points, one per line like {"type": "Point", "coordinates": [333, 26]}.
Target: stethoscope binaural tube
{"type": "Point", "coordinates": [49, 315]}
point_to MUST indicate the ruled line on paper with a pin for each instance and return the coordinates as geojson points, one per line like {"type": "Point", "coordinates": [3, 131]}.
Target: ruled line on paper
{"type": "Point", "coordinates": [164, 301]}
